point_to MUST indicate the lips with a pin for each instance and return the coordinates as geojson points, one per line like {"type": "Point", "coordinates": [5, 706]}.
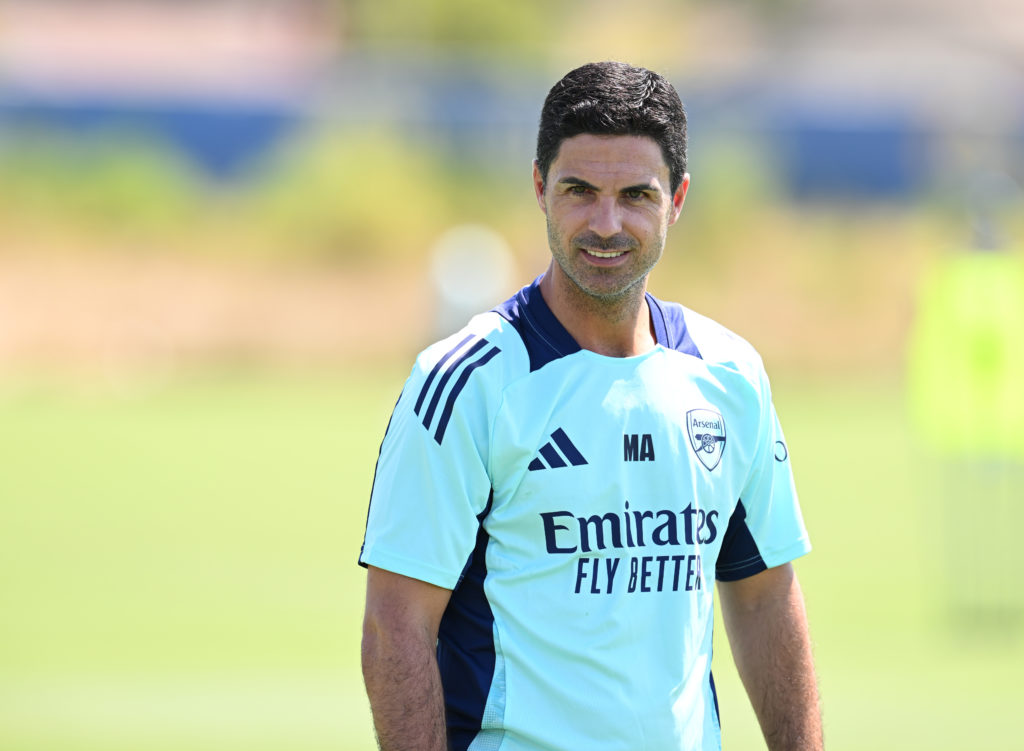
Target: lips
{"type": "Point", "coordinates": [604, 251]}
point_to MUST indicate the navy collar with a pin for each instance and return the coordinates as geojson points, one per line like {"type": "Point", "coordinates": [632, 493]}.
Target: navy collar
{"type": "Point", "coordinates": [546, 339]}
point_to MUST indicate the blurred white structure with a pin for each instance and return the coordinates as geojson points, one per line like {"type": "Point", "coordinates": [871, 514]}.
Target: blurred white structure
{"type": "Point", "coordinates": [472, 270]}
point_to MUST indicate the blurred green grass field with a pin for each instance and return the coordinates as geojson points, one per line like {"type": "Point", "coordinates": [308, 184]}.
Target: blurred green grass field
{"type": "Point", "coordinates": [179, 570]}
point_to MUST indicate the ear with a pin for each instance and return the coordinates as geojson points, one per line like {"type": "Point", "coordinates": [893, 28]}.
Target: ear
{"type": "Point", "coordinates": [678, 197]}
{"type": "Point", "coordinates": [538, 186]}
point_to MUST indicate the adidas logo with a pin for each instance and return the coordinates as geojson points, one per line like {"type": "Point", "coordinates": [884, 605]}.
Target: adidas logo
{"type": "Point", "coordinates": [548, 453]}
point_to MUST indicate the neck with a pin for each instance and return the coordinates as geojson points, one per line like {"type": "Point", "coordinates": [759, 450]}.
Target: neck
{"type": "Point", "coordinates": [616, 327]}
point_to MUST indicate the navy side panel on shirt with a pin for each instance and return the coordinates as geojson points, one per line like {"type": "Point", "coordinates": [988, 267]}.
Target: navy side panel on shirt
{"type": "Point", "coordinates": [739, 556]}
{"type": "Point", "coordinates": [465, 648]}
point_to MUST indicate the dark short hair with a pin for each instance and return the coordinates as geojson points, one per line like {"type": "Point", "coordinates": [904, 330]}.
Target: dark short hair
{"type": "Point", "coordinates": [614, 99]}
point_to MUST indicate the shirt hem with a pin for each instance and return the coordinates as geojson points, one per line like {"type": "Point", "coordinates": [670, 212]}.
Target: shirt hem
{"type": "Point", "coordinates": [397, 564]}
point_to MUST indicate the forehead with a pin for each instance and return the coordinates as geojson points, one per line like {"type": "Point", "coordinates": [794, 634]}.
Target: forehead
{"type": "Point", "coordinates": [597, 159]}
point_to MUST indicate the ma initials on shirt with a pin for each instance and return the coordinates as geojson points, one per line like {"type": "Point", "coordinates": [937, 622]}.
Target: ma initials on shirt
{"type": "Point", "coordinates": [637, 447]}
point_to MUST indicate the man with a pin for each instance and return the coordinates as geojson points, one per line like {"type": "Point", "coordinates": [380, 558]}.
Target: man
{"type": "Point", "coordinates": [966, 342]}
{"type": "Point", "coordinates": [561, 479]}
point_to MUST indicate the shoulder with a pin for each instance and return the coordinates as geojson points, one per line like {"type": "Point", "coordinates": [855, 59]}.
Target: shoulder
{"type": "Point", "coordinates": [695, 334]}
{"type": "Point", "coordinates": [486, 352]}
{"type": "Point", "coordinates": [456, 384]}
{"type": "Point", "coordinates": [485, 337]}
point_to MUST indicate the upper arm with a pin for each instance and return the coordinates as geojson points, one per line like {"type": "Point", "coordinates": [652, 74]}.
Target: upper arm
{"type": "Point", "coordinates": [763, 609]}
{"type": "Point", "coordinates": [397, 604]}
{"type": "Point", "coordinates": [399, 660]}
{"type": "Point", "coordinates": [757, 592]}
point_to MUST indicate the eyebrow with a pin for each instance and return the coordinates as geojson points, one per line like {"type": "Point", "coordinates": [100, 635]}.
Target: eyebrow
{"type": "Point", "coordinates": [643, 187]}
{"type": "Point", "coordinates": [577, 181]}
{"type": "Point", "coordinates": [570, 180]}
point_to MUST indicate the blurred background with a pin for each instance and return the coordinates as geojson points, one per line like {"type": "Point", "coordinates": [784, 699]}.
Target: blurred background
{"type": "Point", "coordinates": [224, 228]}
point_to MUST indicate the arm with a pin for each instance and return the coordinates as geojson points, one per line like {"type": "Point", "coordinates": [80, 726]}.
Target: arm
{"type": "Point", "coordinates": [767, 628]}
{"type": "Point", "coordinates": [400, 661]}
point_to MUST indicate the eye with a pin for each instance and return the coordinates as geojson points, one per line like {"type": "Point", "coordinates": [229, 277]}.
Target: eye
{"type": "Point", "coordinates": [635, 195]}
{"type": "Point", "coordinates": [577, 190]}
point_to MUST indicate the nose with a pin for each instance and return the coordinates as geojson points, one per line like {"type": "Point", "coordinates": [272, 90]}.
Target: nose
{"type": "Point", "coordinates": [605, 217]}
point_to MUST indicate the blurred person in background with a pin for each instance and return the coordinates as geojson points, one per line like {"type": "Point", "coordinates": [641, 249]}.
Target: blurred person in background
{"type": "Point", "coordinates": [966, 393]}
{"type": "Point", "coordinates": [563, 480]}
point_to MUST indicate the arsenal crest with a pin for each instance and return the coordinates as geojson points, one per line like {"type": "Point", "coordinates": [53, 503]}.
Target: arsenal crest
{"type": "Point", "coordinates": [706, 429]}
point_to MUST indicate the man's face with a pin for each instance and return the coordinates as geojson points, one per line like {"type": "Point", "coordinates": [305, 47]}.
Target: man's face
{"type": "Point", "coordinates": [609, 205]}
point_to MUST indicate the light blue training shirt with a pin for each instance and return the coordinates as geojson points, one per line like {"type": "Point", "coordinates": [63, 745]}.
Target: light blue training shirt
{"type": "Point", "coordinates": [580, 508]}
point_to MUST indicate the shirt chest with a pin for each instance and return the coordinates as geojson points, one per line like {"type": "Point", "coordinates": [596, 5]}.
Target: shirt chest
{"type": "Point", "coordinates": [658, 450]}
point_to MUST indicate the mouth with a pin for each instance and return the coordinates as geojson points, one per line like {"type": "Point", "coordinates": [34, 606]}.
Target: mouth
{"type": "Point", "coordinates": [605, 257]}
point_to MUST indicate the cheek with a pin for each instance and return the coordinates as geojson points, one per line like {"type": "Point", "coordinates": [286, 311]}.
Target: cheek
{"type": "Point", "coordinates": [568, 219]}
{"type": "Point", "coordinates": [645, 223]}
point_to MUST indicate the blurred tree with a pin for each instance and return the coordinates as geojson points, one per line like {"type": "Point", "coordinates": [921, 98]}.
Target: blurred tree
{"type": "Point", "coordinates": [359, 195]}
{"type": "Point", "coordinates": [117, 179]}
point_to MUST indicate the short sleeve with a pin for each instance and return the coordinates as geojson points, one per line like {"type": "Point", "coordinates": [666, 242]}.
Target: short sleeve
{"type": "Point", "coordinates": [767, 528]}
{"type": "Point", "coordinates": [431, 483]}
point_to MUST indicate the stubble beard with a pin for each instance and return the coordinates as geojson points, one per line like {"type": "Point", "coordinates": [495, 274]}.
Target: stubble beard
{"type": "Point", "coordinates": [615, 305]}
